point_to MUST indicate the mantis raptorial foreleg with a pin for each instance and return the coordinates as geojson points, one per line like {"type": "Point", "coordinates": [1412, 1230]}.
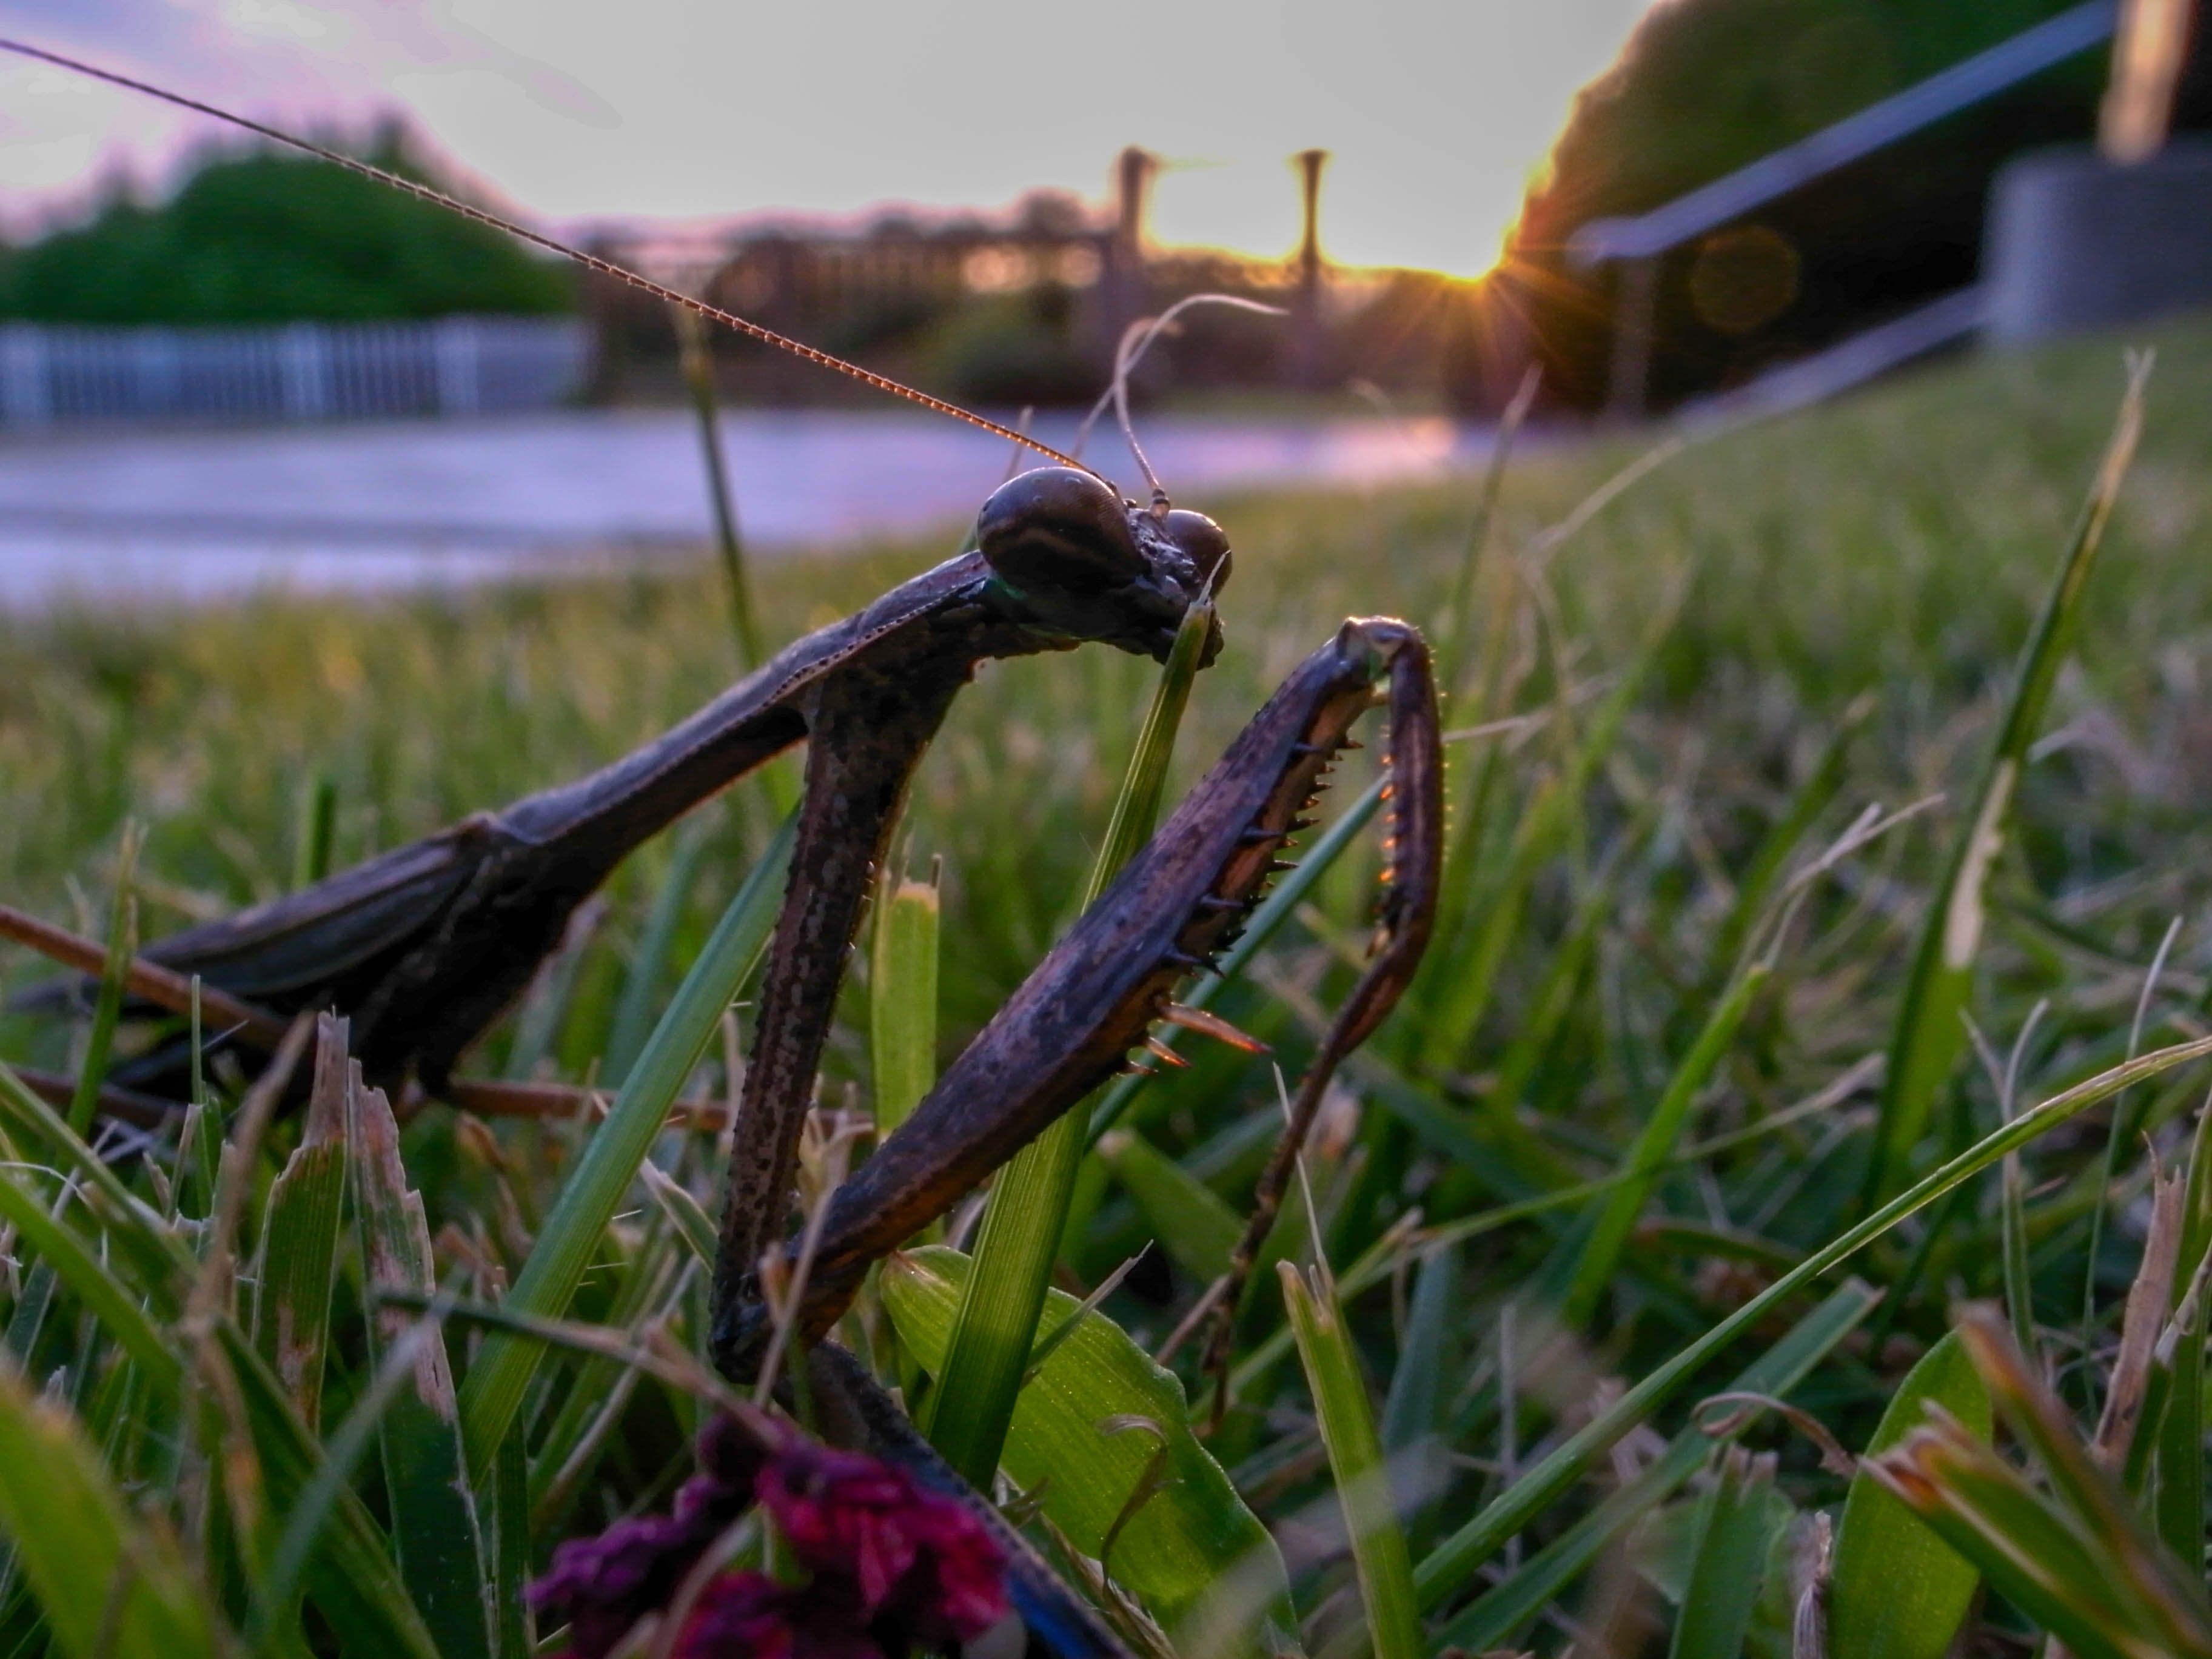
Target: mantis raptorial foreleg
{"type": "Point", "coordinates": [1073, 1021]}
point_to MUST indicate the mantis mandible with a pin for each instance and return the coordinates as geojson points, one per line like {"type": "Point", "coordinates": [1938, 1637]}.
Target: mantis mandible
{"type": "Point", "coordinates": [424, 946]}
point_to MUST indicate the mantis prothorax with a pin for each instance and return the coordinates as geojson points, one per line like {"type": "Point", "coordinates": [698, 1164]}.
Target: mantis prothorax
{"type": "Point", "coordinates": [424, 946]}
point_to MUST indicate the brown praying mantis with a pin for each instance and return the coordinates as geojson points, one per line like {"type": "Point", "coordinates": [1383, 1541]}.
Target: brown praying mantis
{"type": "Point", "coordinates": [424, 947]}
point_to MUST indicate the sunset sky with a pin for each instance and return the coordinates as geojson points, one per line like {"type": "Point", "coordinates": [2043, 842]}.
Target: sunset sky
{"type": "Point", "coordinates": [1436, 109]}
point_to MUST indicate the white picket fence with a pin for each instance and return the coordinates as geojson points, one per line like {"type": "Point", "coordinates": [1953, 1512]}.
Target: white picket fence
{"type": "Point", "coordinates": [299, 371]}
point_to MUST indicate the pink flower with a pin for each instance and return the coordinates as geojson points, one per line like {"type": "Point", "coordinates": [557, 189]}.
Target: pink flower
{"type": "Point", "coordinates": [605, 1586]}
{"type": "Point", "coordinates": [921, 1563]}
{"type": "Point", "coordinates": [893, 1566]}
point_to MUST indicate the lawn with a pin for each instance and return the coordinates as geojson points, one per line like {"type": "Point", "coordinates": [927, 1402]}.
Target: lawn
{"type": "Point", "coordinates": [1638, 1085]}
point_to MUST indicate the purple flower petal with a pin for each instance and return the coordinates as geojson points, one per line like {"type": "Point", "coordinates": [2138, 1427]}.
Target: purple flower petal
{"type": "Point", "coordinates": [919, 1562]}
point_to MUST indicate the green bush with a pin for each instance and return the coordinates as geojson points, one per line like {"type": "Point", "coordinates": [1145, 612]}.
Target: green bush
{"type": "Point", "coordinates": [262, 238]}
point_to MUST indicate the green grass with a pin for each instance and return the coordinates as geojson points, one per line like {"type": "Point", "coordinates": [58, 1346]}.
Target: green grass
{"type": "Point", "coordinates": [1685, 663]}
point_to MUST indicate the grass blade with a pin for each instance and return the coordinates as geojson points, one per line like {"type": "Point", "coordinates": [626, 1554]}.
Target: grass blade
{"type": "Point", "coordinates": [1355, 1457]}
{"type": "Point", "coordinates": [903, 998]}
{"type": "Point", "coordinates": [1191, 1530]}
{"type": "Point", "coordinates": [77, 1264]}
{"type": "Point", "coordinates": [1193, 1224]}
{"type": "Point", "coordinates": [1501, 1614]}
{"type": "Point", "coordinates": [504, 1367]}
{"type": "Point", "coordinates": [299, 1242]}
{"type": "Point", "coordinates": [434, 1528]}
{"type": "Point", "coordinates": [640, 991]}
{"type": "Point", "coordinates": [1027, 1213]}
{"type": "Point", "coordinates": [112, 1584]}
{"type": "Point", "coordinates": [2077, 1560]}
{"type": "Point", "coordinates": [1452, 1564]}
{"type": "Point", "coordinates": [349, 1574]}
{"type": "Point", "coordinates": [1616, 1214]}
{"type": "Point", "coordinates": [1898, 1591]}
{"type": "Point", "coordinates": [122, 948]}
{"type": "Point", "coordinates": [1729, 1558]}
{"type": "Point", "coordinates": [2181, 1464]}
{"type": "Point", "coordinates": [1928, 1037]}
{"type": "Point", "coordinates": [1411, 1411]}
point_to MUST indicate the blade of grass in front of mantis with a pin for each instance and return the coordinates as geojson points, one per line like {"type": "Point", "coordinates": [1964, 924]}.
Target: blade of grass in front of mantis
{"type": "Point", "coordinates": [85, 1273]}
{"type": "Point", "coordinates": [299, 1245]}
{"type": "Point", "coordinates": [319, 1503]}
{"type": "Point", "coordinates": [1379, 1556]}
{"type": "Point", "coordinates": [122, 947]}
{"type": "Point", "coordinates": [640, 991]}
{"type": "Point", "coordinates": [995, 1325]}
{"type": "Point", "coordinates": [1929, 1035]}
{"type": "Point", "coordinates": [505, 1364]}
{"type": "Point", "coordinates": [1102, 1436]}
{"type": "Point", "coordinates": [902, 959]}
{"type": "Point", "coordinates": [435, 1529]}
{"type": "Point", "coordinates": [1453, 1564]}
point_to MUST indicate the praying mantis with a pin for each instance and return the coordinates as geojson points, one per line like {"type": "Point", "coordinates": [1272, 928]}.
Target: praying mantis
{"type": "Point", "coordinates": [424, 947]}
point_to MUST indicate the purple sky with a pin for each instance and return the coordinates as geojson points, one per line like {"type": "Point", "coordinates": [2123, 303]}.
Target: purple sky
{"type": "Point", "coordinates": [1437, 110]}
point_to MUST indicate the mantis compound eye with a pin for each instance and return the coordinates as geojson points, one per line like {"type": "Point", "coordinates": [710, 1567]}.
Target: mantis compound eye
{"type": "Point", "coordinates": [1204, 542]}
{"type": "Point", "coordinates": [1058, 528]}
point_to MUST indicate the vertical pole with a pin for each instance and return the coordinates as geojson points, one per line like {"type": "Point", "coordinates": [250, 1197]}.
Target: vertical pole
{"type": "Point", "coordinates": [1126, 289]}
{"type": "Point", "coordinates": [1635, 297]}
{"type": "Point", "coordinates": [2149, 48]}
{"type": "Point", "coordinates": [1308, 355]}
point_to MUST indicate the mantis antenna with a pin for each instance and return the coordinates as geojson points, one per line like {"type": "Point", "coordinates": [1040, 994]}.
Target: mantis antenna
{"type": "Point", "coordinates": [589, 261]}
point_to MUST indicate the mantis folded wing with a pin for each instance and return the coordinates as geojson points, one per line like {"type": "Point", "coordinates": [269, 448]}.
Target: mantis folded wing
{"type": "Point", "coordinates": [424, 946]}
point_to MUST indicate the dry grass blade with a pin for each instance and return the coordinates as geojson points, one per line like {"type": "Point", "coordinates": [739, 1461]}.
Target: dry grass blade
{"type": "Point", "coordinates": [2149, 1300]}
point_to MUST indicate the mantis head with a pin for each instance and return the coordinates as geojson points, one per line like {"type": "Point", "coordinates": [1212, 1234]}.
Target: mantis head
{"type": "Point", "coordinates": [1071, 557]}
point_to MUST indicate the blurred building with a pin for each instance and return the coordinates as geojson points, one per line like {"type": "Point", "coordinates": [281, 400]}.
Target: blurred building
{"type": "Point", "coordinates": [1023, 308]}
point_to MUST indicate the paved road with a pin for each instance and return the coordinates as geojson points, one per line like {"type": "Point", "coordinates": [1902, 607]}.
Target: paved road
{"type": "Point", "coordinates": [114, 518]}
